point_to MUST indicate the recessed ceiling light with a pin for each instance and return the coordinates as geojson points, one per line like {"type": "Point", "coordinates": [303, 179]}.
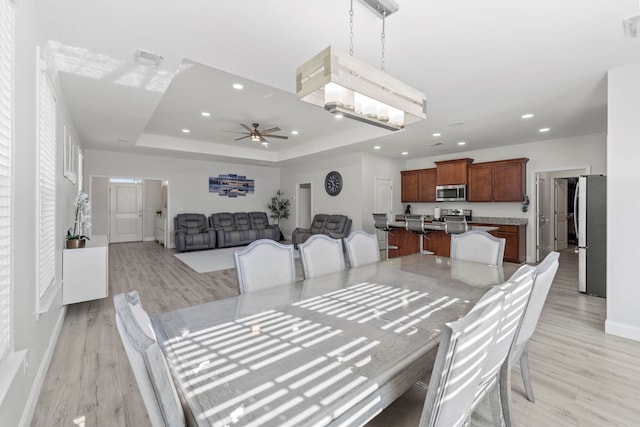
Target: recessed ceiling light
{"type": "Point", "coordinates": [265, 144]}
{"type": "Point", "coordinates": [377, 147]}
{"type": "Point", "coordinates": [338, 116]}
{"type": "Point", "coordinates": [436, 135]}
{"type": "Point", "coordinates": [527, 116]}
{"type": "Point", "coordinates": [205, 114]}
{"type": "Point", "coordinates": [462, 143]}
{"type": "Point", "coordinates": [544, 130]}
{"type": "Point", "coordinates": [455, 124]}
{"type": "Point", "coordinates": [294, 132]}
{"type": "Point", "coordinates": [404, 153]}
{"type": "Point", "coordinates": [237, 86]}
{"type": "Point", "coordinates": [185, 131]}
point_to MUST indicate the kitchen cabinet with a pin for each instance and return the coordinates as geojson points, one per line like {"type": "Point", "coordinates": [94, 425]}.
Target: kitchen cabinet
{"type": "Point", "coordinates": [418, 185]}
{"type": "Point", "coordinates": [438, 242]}
{"type": "Point", "coordinates": [85, 271]}
{"type": "Point", "coordinates": [515, 248]}
{"type": "Point", "coordinates": [499, 181]}
{"type": "Point", "coordinates": [406, 242]}
{"type": "Point", "coordinates": [450, 172]}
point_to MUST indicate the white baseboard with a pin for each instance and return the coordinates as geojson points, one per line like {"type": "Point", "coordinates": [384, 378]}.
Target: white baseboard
{"type": "Point", "coordinates": [38, 381]}
{"type": "Point", "coordinates": [622, 330]}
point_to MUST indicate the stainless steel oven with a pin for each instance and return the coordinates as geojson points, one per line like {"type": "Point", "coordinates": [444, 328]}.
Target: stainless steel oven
{"type": "Point", "coordinates": [451, 193]}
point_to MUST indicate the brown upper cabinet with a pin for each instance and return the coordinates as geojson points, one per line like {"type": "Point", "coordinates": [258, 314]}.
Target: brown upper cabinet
{"type": "Point", "coordinates": [419, 185]}
{"type": "Point", "coordinates": [451, 172]}
{"type": "Point", "coordinates": [499, 181]}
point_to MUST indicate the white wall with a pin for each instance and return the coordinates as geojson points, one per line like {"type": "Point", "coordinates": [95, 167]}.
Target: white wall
{"type": "Point", "coordinates": [32, 334]}
{"type": "Point", "coordinates": [188, 181]}
{"type": "Point", "coordinates": [588, 151]}
{"type": "Point", "coordinates": [623, 290]}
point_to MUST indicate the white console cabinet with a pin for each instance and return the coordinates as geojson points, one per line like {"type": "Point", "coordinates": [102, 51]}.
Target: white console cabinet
{"type": "Point", "coordinates": [161, 226]}
{"type": "Point", "coordinates": [85, 271]}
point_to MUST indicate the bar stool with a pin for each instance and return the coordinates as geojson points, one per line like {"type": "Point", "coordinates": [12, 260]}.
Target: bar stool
{"type": "Point", "coordinates": [381, 222]}
{"type": "Point", "coordinates": [415, 224]}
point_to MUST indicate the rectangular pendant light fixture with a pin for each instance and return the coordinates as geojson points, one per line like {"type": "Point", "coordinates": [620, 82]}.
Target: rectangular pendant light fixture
{"type": "Point", "coordinates": [343, 84]}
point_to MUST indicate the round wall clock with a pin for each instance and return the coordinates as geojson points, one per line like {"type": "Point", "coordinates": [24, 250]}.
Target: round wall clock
{"type": "Point", "coordinates": [333, 183]}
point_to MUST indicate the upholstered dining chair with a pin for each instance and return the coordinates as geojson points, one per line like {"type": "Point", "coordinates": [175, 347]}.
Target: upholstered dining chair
{"type": "Point", "coordinates": [147, 362]}
{"type": "Point", "coordinates": [470, 362]}
{"type": "Point", "coordinates": [263, 264]}
{"type": "Point", "coordinates": [459, 364]}
{"type": "Point", "coordinates": [545, 273]}
{"type": "Point", "coordinates": [478, 246]}
{"type": "Point", "coordinates": [362, 248]}
{"type": "Point", "coordinates": [320, 255]}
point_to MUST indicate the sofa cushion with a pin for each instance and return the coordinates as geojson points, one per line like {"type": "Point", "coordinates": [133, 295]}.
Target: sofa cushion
{"type": "Point", "coordinates": [242, 221]}
{"type": "Point", "coordinates": [334, 224]}
{"type": "Point", "coordinates": [223, 221]}
{"type": "Point", "coordinates": [318, 223]}
{"type": "Point", "coordinates": [258, 220]}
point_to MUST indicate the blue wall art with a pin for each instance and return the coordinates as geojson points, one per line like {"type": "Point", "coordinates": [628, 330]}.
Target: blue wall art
{"type": "Point", "coordinates": [231, 185]}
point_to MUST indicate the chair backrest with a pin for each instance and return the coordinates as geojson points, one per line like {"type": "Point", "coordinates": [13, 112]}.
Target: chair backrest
{"type": "Point", "coordinates": [517, 290]}
{"type": "Point", "coordinates": [414, 223]}
{"type": "Point", "coordinates": [223, 221]}
{"type": "Point", "coordinates": [362, 248]}
{"type": "Point", "coordinates": [464, 345]}
{"type": "Point", "coordinates": [545, 273]}
{"type": "Point", "coordinates": [380, 221]}
{"type": "Point", "coordinates": [478, 246]}
{"type": "Point", "coordinates": [263, 264]}
{"type": "Point", "coordinates": [147, 362]}
{"type": "Point", "coordinates": [321, 255]}
{"type": "Point", "coordinates": [242, 221]}
{"type": "Point", "coordinates": [192, 223]}
{"type": "Point", "coordinates": [335, 224]}
{"type": "Point", "coordinates": [317, 224]}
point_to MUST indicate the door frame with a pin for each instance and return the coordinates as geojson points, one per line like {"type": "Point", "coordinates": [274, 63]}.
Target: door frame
{"type": "Point", "coordinates": [298, 188]}
{"type": "Point", "coordinates": [552, 174]}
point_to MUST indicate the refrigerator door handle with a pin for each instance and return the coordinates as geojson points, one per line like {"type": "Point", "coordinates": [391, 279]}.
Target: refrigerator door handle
{"type": "Point", "coordinates": [575, 210]}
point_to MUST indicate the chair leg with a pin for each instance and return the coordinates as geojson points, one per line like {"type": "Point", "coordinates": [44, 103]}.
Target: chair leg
{"type": "Point", "coordinates": [524, 371]}
{"type": "Point", "coordinates": [503, 389]}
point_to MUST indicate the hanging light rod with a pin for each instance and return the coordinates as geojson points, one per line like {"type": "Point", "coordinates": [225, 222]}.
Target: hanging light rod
{"type": "Point", "coordinates": [384, 8]}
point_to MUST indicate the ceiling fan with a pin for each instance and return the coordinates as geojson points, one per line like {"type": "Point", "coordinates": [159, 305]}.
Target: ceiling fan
{"type": "Point", "coordinates": [259, 135]}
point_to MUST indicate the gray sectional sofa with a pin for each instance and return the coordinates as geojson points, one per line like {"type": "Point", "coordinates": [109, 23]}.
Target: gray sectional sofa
{"type": "Point", "coordinates": [242, 228]}
{"type": "Point", "coordinates": [335, 226]}
{"type": "Point", "coordinates": [192, 232]}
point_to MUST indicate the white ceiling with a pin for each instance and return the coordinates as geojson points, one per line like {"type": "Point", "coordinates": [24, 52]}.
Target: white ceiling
{"type": "Point", "coordinates": [481, 62]}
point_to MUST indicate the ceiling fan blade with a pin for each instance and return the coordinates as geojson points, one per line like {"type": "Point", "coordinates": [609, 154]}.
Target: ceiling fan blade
{"type": "Point", "coordinates": [276, 129]}
{"type": "Point", "coordinates": [278, 136]}
{"type": "Point", "coordinates": [262, 139]}
{"type": "Point", "coordinates": [233, 131]}
{"type": "Point", "coordinates": [242, 137]}
{"type": "Point", "coordinates": [246, 127]}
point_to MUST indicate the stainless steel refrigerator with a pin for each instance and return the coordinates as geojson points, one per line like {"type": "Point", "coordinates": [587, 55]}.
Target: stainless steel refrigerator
{"type": "Point", "coordinates": [590, 215]}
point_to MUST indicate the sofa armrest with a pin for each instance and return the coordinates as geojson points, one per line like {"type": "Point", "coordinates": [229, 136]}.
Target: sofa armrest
{"type": "Point", "coordinates": [180, 240]}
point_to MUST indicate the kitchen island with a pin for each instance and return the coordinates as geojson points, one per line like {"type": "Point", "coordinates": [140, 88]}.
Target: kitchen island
{"type": "Point", "coordinates": [513, 230]}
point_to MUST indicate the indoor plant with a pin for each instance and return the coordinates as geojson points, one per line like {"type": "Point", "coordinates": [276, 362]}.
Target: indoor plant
{"type": "Point", "coordinates": [75, 237]}
{"type": "Point", "coordinates": [279, 207]}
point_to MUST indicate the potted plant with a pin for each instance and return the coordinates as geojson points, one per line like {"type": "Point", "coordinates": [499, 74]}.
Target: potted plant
{"type": "Point", "coordinates": [279, 208]}
{"type": "Point", "coordinates": [75, 237]}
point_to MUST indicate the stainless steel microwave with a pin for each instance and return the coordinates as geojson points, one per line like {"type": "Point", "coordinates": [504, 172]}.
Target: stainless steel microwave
{"type": "Point", "coordinates": [451, 193]}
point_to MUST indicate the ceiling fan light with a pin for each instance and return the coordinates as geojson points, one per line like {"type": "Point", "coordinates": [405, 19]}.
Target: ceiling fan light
{"type": "Point", "coordinates": [255, 138]}
{"type": "Point", "coordinates": [343, 84]}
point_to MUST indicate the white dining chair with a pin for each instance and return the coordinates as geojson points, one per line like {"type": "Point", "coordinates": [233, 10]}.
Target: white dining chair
{"type": "Point", "coordinates": [362, 248]}
{"type": "Point", "coordinates": [263, 264]}
{"type": "Point", "coordinates": [459, 364]}
{"type": "Point", "coordinates": [147, 362]}
{"type": "Point", "coordinates": [477, 246]}
{"type": "Point", "coordinates": [320, 255]}
{"type": "Point", "coordinates": [545, 273]}
{"type": "Point", "coordinates": [470, 363]}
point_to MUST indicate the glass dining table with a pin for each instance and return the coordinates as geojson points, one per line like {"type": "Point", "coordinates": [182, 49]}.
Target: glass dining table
{"type": "Point", "coordinates": [333, 350]}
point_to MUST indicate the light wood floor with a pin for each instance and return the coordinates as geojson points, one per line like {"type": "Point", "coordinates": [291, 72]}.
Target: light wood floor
{"type": "Point", "coordinates": [581, 377]}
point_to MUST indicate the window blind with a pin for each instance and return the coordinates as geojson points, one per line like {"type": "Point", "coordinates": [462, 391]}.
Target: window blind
{"type": "Point", "coordinates": [6, 82]}
{"type": "Point", "coordinates": [47, 182]}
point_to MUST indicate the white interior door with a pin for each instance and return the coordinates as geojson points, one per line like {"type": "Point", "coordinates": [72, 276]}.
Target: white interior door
{"type": "Point", "coordinates": [125, 213]}
{"type": "Point", "coordinates": [561, 216]}
{"type": "Point", "coordinates": [383, 203]}
{"type": "Point", "coordinates": [542, 220]}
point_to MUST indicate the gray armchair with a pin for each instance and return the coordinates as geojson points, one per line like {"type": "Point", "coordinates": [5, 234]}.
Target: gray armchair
{"type": "Point", "coordinates": [334, 226]}
{"type": "Point", "coordinates": [192, 232]}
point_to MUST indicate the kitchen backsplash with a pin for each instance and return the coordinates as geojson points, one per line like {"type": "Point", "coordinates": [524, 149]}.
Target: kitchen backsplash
{"type": "Point", "coordinates": [511, 210]}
